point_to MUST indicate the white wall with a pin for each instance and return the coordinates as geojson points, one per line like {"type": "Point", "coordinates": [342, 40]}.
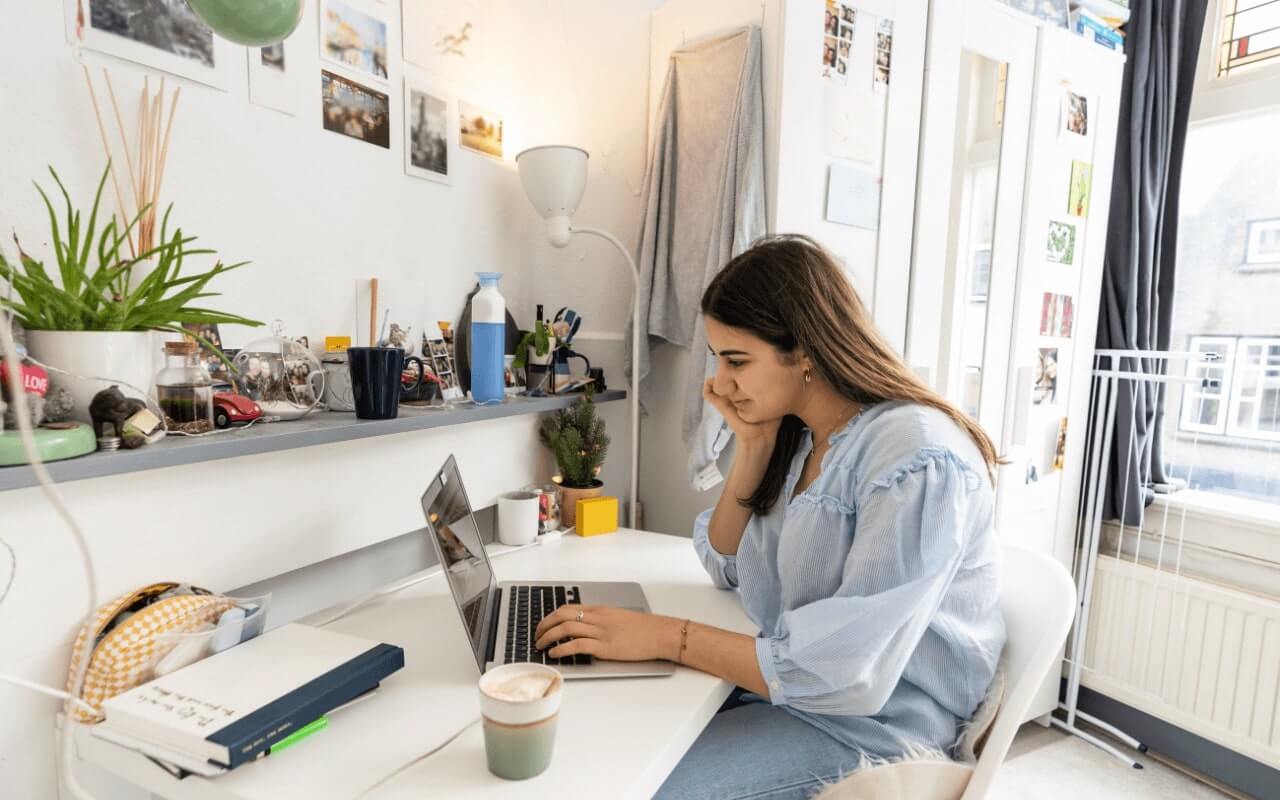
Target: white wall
{"type": "Point", "coordinates": [799, 107]}
{"type": "Point", "coordinates": [315, 211]}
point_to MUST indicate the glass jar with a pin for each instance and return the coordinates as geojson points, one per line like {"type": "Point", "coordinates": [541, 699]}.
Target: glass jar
{"type": "Point", "coordinates": [185, 390]}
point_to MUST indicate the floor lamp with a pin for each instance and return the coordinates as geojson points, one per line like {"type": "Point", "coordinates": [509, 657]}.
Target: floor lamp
{"type": "Point", "coordinates": [554, 178]}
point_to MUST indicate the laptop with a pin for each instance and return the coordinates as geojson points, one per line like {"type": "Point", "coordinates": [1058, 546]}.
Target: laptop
{"type": "Point", "coordinates": [500, 618]}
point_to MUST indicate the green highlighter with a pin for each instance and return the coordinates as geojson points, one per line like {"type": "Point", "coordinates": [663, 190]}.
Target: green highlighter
{"type": "Point", "coordinates": [300, 734]}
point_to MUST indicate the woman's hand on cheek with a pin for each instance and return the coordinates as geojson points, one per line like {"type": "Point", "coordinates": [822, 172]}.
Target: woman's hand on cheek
{"type": "Point", "coordinates": [614, 634]}
{"type": "Point", "coordinates": [750, 433]}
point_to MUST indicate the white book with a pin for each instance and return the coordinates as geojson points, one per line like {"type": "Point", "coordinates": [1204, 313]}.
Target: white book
{"type": "Point", "coordinates": [232, 706]}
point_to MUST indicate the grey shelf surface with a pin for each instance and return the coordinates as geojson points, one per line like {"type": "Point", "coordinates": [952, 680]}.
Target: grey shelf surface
{"type": "Point", "coordinates": [320, 427]}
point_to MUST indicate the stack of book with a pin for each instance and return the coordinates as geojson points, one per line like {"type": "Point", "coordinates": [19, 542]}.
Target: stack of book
{"type": "Point", "coordinates": [234, 706]}
{"type": "Point", "coordinates": [1101, 21]}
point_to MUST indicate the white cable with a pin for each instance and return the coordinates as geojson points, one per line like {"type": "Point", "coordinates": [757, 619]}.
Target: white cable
{"type": "Point", "coordinates": [413, 581]}
{"type": "Point", "coordinates": [23, 415]}
{"type": "Point", "coordinates": [13, 570]}
{"type": "Point", "coordinates": [420, 758]}
{"type": "Point", "coordinates": [42, 689]}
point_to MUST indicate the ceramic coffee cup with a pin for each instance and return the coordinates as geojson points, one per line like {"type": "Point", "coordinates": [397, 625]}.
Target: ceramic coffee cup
{"type": "Point", "coordinates": [518, 518]}
{"type": "Point", "coordinates": [520, 704]}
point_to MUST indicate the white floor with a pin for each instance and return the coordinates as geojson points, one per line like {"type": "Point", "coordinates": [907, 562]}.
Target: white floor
{"type": "Point", "coordinates": [1045, 763]}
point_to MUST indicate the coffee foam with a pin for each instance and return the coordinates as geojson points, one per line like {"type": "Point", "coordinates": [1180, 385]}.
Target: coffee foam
{"type": "Point", "coordinates": [521, 687]}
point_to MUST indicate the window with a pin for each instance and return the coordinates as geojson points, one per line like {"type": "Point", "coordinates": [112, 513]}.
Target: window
{"type": "Point", "coordinates": [1250, 35]}
{"type": "Point", "coordinates": [1222, 430]}
{"type": "Point", "coordinates": [1262, 246]}
{"type": "Point", "coordinates": [1237, 392]}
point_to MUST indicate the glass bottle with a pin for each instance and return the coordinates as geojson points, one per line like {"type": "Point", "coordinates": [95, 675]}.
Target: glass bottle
{"type": "Point", "coordinates": [185, 390]}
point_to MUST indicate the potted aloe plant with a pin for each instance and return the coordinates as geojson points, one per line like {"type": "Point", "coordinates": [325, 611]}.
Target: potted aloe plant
{"type": "Point", "coordinates": [95, 317]}
{"type": "Point", "coordinates": [577, 438]}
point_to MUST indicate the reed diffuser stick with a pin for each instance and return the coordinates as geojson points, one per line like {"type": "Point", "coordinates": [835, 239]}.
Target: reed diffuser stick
{"type": "Point", "coordinates": [106, 147]}
{"type": "Point", "coordinates": [128, 159]}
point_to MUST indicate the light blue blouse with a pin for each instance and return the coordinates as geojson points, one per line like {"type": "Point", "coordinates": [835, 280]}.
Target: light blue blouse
{"type": "Point", "coordinates": [875, 589]}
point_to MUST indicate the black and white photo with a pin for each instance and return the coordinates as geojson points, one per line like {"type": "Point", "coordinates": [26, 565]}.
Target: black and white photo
{"type": "Point", "coordinates": [426, 131]}
{"type": "Point", "coordinates": [163, 35]}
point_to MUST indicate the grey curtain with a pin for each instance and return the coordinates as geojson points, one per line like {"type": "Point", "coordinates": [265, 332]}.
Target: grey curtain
{"type": "Point", "coordinates": [1162, 43]}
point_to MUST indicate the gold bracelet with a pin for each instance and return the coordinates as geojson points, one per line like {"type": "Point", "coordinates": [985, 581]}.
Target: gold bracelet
{"type": "Point", "coordinates": [684, 642]}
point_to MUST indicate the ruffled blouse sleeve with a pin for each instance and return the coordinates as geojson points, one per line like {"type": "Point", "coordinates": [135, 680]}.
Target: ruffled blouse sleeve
{"type": "Point", "coordinates": [722, 568]}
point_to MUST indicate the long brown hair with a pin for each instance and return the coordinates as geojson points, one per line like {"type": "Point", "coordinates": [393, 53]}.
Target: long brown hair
{"type": "Point", "coordinates": [788, 291]}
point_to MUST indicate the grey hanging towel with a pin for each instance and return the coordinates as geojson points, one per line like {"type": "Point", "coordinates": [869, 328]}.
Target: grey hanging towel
{"type": "Point", "coordinates": [704, 204]}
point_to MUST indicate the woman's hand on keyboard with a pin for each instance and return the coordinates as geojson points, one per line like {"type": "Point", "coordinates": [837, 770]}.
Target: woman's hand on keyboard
{"type": "Point", "coordinates": [615, 634]}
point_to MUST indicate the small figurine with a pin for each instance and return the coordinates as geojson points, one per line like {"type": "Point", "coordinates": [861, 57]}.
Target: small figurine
{"type": "Point", "coordinates": [110, 406]}
{"type": "Point", "coordinates": [397, 337]}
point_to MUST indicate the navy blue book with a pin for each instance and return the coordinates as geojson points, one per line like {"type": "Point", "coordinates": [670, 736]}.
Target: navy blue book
{"type": "Point", "coordinates": [231, 707]}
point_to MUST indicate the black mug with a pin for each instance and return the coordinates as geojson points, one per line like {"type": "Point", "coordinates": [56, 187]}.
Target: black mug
{"type": "Point", "coordinates": [375, 380]}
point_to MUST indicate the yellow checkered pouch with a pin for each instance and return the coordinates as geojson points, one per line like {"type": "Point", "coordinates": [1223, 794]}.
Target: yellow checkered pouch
{"type": "Point", "coordinates": [132, 633]}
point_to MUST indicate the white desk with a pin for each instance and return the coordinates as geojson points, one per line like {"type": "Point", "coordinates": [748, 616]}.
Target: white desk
{"type": "Point", "coordinates": [616, 737]}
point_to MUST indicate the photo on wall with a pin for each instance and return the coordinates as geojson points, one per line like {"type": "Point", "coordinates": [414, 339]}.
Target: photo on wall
{"type": "Point", "coordinates": [1074, 122]}
{"type": "Point", "coordinates": [1045, 387]}
{"type": "Point", "coordinates": [161, 34]}
{"type": "Point", "coordinates": [275, 72]}
{"type": "Point", "coordinates": [355, 110]}
{"type": "Point", "coordinates": [884, 55]}
{"type": "Point", "coordinates": [1056, 312]}
{"type": "Point", "coordinates": [426, 132]}
{"type": "Point", "coordinates": [1081, 180]}
{"type": "Point", "coordinates": [1060, 247]}
{"type": "Point", "coordinates": [838, 23]}
{"type": "Point", "coordinates": [352, 36]}
{"type": "Point", "coordinates": [479, 129]}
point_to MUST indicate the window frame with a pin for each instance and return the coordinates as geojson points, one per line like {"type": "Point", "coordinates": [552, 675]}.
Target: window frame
{"type": "Point", "coordinates": [1239, 371]}
{"type": "Point", "coordinates": [1187, 421]}
{"type": "Point", "coordinates": [1260, 263]}
{"type": "Point", "coordinates": [1245, 91]}
{"type": "Point", "coordinates": [1223, 43]}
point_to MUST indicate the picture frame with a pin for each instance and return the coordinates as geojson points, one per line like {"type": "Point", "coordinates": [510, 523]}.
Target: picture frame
{"type": "Point", "coordinates": [184, 46]}
{"type": "Point", "coordinates": [353, 35]}
{"type": "Point", "coordinates": [430, 146]}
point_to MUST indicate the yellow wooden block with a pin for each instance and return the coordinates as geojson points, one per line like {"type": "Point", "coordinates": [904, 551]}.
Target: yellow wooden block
{"type": "Point", "coordinates": [597, 515]}
{"type": "Point", "coordinates": [336, 344]}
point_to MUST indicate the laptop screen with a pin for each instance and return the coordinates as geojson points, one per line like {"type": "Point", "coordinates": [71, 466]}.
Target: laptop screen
{"type": "Point", "coordinates": [462, 555]}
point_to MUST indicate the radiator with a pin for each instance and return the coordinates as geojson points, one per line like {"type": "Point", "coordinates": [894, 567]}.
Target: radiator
{"type": "Point", "coordinates": [1198, 655]}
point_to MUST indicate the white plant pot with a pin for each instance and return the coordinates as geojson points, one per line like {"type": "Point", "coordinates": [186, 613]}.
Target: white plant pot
{"type": "Point", "coordinates": [121, 357]}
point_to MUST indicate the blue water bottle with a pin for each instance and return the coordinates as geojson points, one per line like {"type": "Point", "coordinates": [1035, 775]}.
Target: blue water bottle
{"type": "Point", "coordinates": [488, 340]}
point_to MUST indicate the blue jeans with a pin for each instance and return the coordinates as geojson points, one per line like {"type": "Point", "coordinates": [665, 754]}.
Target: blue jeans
{"type": "Point", "coordinates": [754, 750]}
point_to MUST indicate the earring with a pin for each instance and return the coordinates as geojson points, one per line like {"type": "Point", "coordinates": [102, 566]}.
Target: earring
{"type": "Point", "coordinates": [807, 377]}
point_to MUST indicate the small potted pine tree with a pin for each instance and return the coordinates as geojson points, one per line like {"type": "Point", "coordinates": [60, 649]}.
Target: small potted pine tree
{"type": "Point", "coordinates": [577, 438]}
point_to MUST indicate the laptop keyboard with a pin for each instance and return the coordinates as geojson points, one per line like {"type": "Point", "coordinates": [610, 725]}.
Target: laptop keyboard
{"type": "Point", "coordinates": [526, 606]}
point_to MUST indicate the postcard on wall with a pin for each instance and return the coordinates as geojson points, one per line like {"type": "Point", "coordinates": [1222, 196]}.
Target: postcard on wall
{"type": "Point", "coordinates": [274, 73]}
{"type": "Point", "coordinates": [1081, 181]}
{"type": "Point", "coordinates": [426, 130]}
{"type": "Point", "coordinates": [1060, 446]}
{"type": "Point", "coordinates": [1073, 123]}
{"type": "Point", "coordinates": [479, 129]}
{"type": "Point", "coordinates": [355, 110]}
{"type": "Point", "coordinates": [163, 36]}
{"type": "Point", "coordinates": [884, 54]}
{"type": "Point", "coordinates": [853, 196]}
{"type": "Point", "coordinates": [1060, 248]}
{"type": "Point", "coordinates": [1056, 312]}
{"type": "Point", "coordinates": [352, 35]}
{"type": "Point", "coordinates": [1045, 387]}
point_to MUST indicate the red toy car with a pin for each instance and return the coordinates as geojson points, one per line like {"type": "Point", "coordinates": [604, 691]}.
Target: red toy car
{"type": "Point", "coordinates": [229, 407]}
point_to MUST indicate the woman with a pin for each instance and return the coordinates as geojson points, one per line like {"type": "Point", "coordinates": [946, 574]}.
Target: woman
{"type": "Point", "coordinates": [856, 525]}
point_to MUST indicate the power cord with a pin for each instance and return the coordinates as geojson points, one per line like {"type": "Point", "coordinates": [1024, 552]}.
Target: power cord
{"type": "Point", "coordinates": [23, 415]}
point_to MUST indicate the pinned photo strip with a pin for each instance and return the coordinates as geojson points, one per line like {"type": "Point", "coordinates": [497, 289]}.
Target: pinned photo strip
{"type": "Point", "coordinates": [837, 40]}
{"type": "Point", "coordinates": [884, 55]}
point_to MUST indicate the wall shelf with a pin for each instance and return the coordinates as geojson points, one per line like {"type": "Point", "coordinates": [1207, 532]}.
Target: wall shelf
{"type": "Point", "coordinates": [321, 427]}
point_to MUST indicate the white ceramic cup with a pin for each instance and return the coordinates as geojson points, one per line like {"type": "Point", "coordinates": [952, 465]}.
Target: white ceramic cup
{"type": "Point", "coordinates": [518, 518]}
{"type": "Point", "coordinates": [520, 733]}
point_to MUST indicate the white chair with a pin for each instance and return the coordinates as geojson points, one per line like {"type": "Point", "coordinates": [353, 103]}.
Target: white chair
{"type": "Point", "coordinates": [1037, 599]}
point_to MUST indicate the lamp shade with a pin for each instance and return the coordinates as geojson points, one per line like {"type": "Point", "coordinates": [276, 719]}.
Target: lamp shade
{"type": "Point", "coordinates": [255, 23]}
{"type": "Point", "coordinates": [554, 178]}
